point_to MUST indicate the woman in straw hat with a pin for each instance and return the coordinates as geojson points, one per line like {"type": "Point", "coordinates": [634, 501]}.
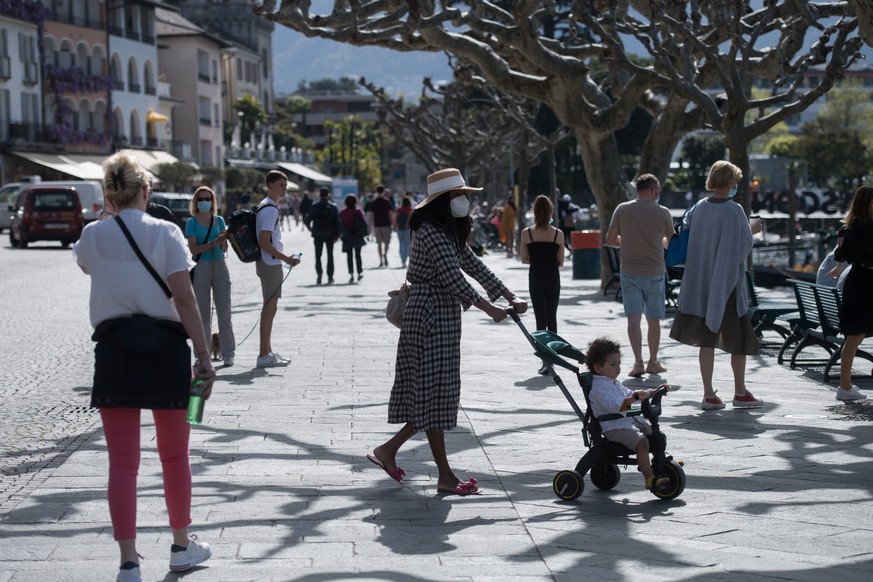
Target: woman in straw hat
{"type": "Point", "coordinates": [427, 384]}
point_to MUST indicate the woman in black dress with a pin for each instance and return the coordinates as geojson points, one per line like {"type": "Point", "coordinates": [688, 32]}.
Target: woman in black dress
{"type": "Point", "coordinates": [856, 310]}
{"type": "Point", "coordinates": [542, 247]}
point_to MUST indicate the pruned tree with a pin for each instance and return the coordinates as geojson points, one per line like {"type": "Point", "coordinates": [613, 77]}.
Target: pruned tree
{"type": "Point", "coordinates": [695, 45]}
{"type": "Point", "coordinates": [864, 10]}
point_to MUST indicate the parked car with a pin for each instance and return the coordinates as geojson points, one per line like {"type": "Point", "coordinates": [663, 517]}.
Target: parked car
{"type": "Point", "coordinates": [90, 195]}
{"type": "Point", "coordinates": [46, 213]}
{"type": "Point", "coordinates": [177, 203]}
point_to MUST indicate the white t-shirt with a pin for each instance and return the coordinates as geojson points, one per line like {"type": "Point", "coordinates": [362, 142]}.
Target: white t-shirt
{"type": "Point", "coordinates": [120, 283]}
{"type": "Point", "coordinates": [607, 395]}
{"type": "Point", "coordinates": [268, 219]}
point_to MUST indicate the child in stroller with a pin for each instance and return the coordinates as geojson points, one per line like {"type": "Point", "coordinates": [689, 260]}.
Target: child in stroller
{"type": "Point", "coordinates": [608, 396]}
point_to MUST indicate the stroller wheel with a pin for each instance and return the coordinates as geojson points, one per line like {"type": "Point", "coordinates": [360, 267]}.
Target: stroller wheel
{"type": "Point", "coordinates": [676, 474]}
{"type": "Point", "coordinates": [605, 475]}
{"type": "Point", "coordinates": [568, 485]}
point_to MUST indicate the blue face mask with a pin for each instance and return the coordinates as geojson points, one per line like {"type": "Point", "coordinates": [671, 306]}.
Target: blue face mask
{"type": "Point", "coordinates": [732, 192]}
{"type": "Point", "coordinates": [204, 206]}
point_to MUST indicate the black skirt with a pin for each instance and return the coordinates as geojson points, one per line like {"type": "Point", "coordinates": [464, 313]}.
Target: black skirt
{"type": "Point", "coordinates": [141, 362]}
{"type": "Point", "coordinates": [856, 309]}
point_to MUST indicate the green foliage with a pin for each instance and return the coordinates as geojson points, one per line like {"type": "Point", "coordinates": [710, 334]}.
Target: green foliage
{"type": "Point", "coordinates": [211, 175]}
{"type": "Point", "coordinates": [837, 146]}
{"type": "Point", "coordinates": [785, 146]}
{"type": "Point", "coordinates": [175, 176]}
{"type": "Point", "coordinates": [351, 150]}
{"type": "Point", "coordinates": [239, 180]}
{"type": "Point", "coordinates": [699, 152]}
{"type": "Point", "coordinates": [343, 85]}
{"type": "Point", "coordinates": [251, 114]}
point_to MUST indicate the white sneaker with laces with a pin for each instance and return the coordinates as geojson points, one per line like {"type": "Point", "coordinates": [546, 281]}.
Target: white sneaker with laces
{"type": "Point", "coordinates": [195, 553]}
{"type": "Point", "coordinates": [133, 574]}
{"type": "Point", "coordinates": [271, 360]}
{"type": "Point", "coordinates": [851, 394]}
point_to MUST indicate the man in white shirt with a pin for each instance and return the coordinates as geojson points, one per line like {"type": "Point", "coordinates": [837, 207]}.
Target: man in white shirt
{"type": "Point", "coordinates": [269, 265]}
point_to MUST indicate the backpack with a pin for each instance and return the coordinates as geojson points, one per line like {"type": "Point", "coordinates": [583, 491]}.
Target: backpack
{"type": "Point", "coordinates": [242, 233]}
{"type": "Point", "coordinates": [359, 226]}
{"type": "Point", "coordinates": [324, 221]}
{"type": "Point", "coordinates": [677, 247]}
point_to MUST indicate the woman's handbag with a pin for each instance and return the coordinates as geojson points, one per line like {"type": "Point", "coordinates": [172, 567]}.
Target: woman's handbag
{"type": "Point", "coordinates": [359, 226]}
{"type": "Point", "coordinates": [397, 304]}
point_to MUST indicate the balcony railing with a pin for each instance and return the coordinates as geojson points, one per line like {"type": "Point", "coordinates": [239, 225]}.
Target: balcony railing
{"type": "Point", "coordinates": [203, 77]}
{"type": "Point", "coordinates": [119, 85]}
{"type": "Point", "coordinates": [134, 87]}
{"type": "Point", "coordinates": [21, 133]}
{"type": "Point", "coordinates": [136, 141]}
{"type": "Point", "coordinates": [205, 121]}
{"type": "Point", "coordinates": [153, 143]}
{"type": "Point", "coordinates": [151, 90]}
{"type": "Point", "coordinates": [148, 38]}
{"type": "Point", "coordinates": [116, 30]}
{"type": "Point", "coordinates": [76, 20]}
{"type": "Point", "coordinates": [132, 35]}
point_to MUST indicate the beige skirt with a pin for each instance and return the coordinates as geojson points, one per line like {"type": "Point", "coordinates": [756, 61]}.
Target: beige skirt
{"type": "Point", "coordinates": [736, 335]}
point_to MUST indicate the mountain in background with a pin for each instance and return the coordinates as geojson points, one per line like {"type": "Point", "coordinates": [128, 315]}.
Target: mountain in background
{"type": "Point", "coordinates": [298, 58]}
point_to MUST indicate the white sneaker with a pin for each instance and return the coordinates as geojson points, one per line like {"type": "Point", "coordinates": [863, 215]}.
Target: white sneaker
{"type": "Point", "coordinates": [272, 360]}
{"type": "Point", "coordinates": [129, 575]}
{"type": "Point", "coordinates": [228, 362]}
{"type": "Point", "coordinates": [851, 394]}
{"type": "Point", "coordinates": [195, 553]}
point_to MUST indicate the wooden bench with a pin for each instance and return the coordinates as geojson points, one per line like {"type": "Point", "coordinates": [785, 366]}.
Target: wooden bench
{"type": "Point", "coordinates": [764, 314]}
{"type": "Point", "coordinates": [828, 300]}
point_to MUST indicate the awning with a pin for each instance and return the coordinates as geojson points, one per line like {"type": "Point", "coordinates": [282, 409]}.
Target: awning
{"type": "Point", "coordinates": [148, 159]}
{"type": "Point", "coordinates": [155, 117]}
{"type": "Point", "coordinates": [305, 172]}
{"type": "Point", "coordinates": [85, 169]}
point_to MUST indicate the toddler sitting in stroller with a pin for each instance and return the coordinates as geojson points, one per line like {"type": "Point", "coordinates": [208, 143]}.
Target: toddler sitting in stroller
{"type": "Point", "coordinates": [609, 396]}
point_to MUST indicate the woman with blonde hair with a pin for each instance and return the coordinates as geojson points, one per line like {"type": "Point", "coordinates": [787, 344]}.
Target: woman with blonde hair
{"type": "Point", "coordinates": [713, 307]}
{"type": "Point", "coordinates": [143, 311]}
{"type": "Point", "coordinates": [542, 247]}
{"type": "Point", "coordinates": [856, 310]}
{"type": "Point", "coordinates": [207, 241]}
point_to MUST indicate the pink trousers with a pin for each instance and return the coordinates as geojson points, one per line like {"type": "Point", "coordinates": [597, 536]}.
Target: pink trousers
{"type": "Point", "coordinates": [122, 429]}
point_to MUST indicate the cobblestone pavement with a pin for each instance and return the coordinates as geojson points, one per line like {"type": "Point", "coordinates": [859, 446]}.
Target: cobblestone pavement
{"type": "Point", "coordinates": [283, 491]}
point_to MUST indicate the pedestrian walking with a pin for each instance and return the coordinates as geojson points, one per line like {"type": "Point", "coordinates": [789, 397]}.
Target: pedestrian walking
{"type": "Point", "coordinates": [305, 205]}
{"type": "Point", "coordinates": [323, 221]}
{"type": "Point", "coordinates": [401, 224]}
{"type": "Point", "coordinates": [284, 212]}
{"type": "Point", "coordinates": [294, 203]}
{"type": "Point", "coordinates": [427, 385]}
{"type": "Point", "coordinates": [269, 266]}
{"type": "Point", "coordinates": [207, 241]}
{"type": "Point", "coordinates": [566, 216]}
{"type": "Point", "coordinates": [383, 222]}
{"type": "Point", "coordinates": [641, 228]}
{"type": "Point", "coordinates": [507, 224]}
{"type": "Point", "coordinates": [353, 238]}
{"type": "Point", "coordinates": [142, 359]}
{"type": "Point", "coordinates": [856, 310]}
{"type": "Point", "coordinates": [713, 307]}
{"type": "Point", "coordinates": [542, 247]}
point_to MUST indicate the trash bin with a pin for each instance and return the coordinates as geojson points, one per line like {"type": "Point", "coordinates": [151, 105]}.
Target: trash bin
{"type": "Point", "coordinates": [586, 254]}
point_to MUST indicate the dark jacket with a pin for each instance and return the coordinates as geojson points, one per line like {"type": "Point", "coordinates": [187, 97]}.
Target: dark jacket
{"type": "Point", "coordinates": [314, 223]}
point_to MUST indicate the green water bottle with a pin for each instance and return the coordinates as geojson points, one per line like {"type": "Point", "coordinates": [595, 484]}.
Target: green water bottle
{"type": "Point", "coordinates": [196, 400]}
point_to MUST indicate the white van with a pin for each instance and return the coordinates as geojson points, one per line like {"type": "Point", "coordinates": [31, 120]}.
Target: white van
{"type": "Point", "coordinates": [90, 194]}
{"type": "Point", "coordinates": [8, 196]}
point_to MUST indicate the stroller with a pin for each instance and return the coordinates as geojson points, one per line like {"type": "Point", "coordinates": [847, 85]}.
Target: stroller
{"type": "Point", "coordinates": [603, 457]}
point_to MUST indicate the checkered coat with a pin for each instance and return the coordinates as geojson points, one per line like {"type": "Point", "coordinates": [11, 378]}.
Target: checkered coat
{"type": "Point", "coordinates": [427, 381]}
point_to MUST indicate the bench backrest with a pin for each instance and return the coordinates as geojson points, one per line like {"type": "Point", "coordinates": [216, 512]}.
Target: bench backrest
{"type": "Point", "coordinates": [614, 256]}
{"type": "Point", "coordinates": [752, 292]}
{"type": "Point", "coordinates": [828, 300]}
{"type": "Point", "coordinates": [807, 306]}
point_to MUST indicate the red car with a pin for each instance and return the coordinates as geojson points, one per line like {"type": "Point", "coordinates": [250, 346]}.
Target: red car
{"type": "Point", "coordinates": [46, 213]}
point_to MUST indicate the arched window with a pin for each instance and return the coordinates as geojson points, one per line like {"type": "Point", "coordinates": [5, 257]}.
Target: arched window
{"type": "Point", "coordinates": [65, 54]}
{"type": "Point", "coordinates": [99, 118]}
{"type": "Point", "coordinates": [84, 116]}
{"type": "Point", "coordinates": [135, 132]}
{"type": "Point", "coordinates": [133, 76]}
{"type": "Point", "coordinates": [117, 72]}
{"type": "Point", "coordinates": [98, 61]}
{"type": "Point", "coordinates": [82, 60]}
{"type": "Point", "coordinates": [149, 78]}
{"type": "Point", "coordinates": [118, 126]}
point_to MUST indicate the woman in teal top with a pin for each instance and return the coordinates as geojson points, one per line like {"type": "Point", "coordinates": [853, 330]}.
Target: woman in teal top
{"type": "Point", "coordinates": [207, 240]}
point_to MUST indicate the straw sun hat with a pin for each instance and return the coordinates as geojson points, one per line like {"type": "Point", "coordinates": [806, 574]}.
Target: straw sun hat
{"type": "Point", "coordinates": [444, 181]}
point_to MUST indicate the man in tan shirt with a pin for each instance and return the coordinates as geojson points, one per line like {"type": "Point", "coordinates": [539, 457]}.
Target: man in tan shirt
{"type": "Point", "coordinates": [641, 227]}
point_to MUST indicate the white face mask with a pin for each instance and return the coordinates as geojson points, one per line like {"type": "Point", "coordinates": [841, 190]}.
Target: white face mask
{"type": "Point", "coordinates": [460, 206]}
